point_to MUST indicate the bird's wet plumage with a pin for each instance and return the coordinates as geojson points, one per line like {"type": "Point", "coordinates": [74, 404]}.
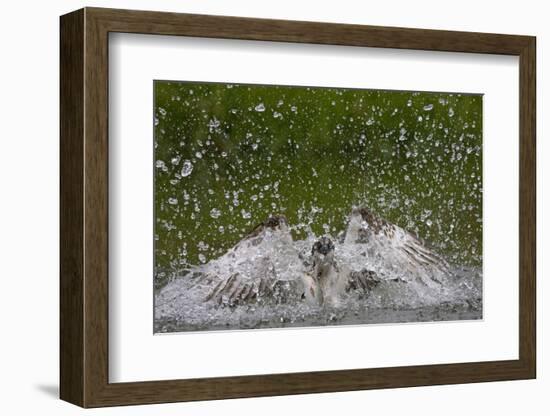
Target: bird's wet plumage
{"type": "Point", "coordinates": [265, 265]}
{"type": "Point", "coordinates": [251, 271]}
{"type": "Point", "coordinates": [395, 247]}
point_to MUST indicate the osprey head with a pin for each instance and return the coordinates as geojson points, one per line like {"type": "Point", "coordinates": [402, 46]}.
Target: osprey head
{"type": "Point", "coordinates": [323, 246]}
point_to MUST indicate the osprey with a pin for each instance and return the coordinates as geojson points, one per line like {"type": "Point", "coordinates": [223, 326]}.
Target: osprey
{"type": "Point", "coordinates": [268, 266]}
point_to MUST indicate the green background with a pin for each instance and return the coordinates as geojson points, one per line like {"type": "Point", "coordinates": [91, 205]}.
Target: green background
{"type": "Point", "coordinates": [414, 158]}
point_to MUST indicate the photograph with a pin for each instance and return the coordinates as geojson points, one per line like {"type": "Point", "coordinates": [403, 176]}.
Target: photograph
{"type": "Point", "coordinates": [300, 206]}
{"type": "Point", "coordinates": [281, 204]}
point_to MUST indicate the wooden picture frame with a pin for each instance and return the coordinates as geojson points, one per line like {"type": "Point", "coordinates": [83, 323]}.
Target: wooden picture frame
{"type": "Point", "coordinates": [84, 207]}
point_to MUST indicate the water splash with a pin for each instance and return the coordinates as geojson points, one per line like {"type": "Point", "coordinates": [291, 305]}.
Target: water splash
{"type": "Point", "coordinates": [187, 168]}
{"type": "Point", "coordinates": [271, 257]}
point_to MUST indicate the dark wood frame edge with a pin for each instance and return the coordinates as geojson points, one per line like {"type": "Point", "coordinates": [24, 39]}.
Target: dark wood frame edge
{"type": "Point", "coordinates": [84, 207]}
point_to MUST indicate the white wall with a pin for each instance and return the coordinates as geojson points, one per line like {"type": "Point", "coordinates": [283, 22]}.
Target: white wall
{"type": "Point", "coordinates": [29, 205]}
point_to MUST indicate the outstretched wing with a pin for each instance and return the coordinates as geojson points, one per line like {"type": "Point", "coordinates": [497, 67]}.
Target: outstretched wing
{"type": "Point", "coordinates": [262, 266]}
{"type": "Point", "coordinates": [394, 247]}
{"type": "Point", "coordinates": [418, 253]}
{"type": "Point", "coordinates": [238, 290]}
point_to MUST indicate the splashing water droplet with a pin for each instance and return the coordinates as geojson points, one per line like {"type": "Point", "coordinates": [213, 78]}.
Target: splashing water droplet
{"type": "Point", "coordinates": [246, 215]}
{"type": "Point", "coordinates": [260, 107]}
{"type": "Point", "coordinates": [428, 107]}
{"type": "Point", "coordinates": [187, 168]}
{"type": "Point", "coordinates": [159, 164]}
{"type": "Point", "coordinates": [213, 124]}
{"type": "Point", "coordinates": [215, 213]}
{"type": "Point", "coordinates": [172, 201]}
{"type": "Point", "coordinates": [202, 258]}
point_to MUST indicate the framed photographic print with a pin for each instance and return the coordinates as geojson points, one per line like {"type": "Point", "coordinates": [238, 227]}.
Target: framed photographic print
{"type": "Point", "coordinates": [255, 207]}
